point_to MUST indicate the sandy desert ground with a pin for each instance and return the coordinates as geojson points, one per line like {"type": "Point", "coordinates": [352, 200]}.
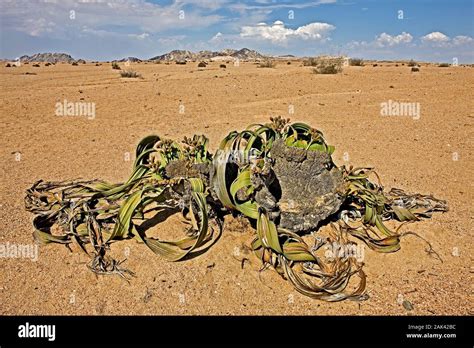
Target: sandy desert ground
{"type": "Point", "coordinates": [432, 155]}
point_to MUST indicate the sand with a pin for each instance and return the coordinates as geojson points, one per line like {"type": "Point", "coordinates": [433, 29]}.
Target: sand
{"type": "Point", "coordinates": [431, 155]}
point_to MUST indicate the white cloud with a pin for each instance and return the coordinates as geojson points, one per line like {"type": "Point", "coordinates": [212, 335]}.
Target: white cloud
{"type": "Point", "coordinates": [216, 38]}
{"type": "Point", "coordinates": [462, 40]}
{"type": "Point", "coordinates": [384, 39]}
{"type": "Point", "coordinates": [436, 37]}
{"type": "Point", "coordinates": [278, 33]}
{"type": "Point", "coordinates": [274, 5]}
{"type": "Point", "coordinates": [208, 4]}
{"type": "Point", "coordinates": [38, 26]}
{"type": "Point", "coordinates": [54, 19]}
{"type": "Point", "coordinates": [174, 40]}
{"type": "Point", "coordinates": [142, 36]}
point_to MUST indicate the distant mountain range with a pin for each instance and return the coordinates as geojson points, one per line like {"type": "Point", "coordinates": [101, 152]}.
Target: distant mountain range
{"type": "Point", "coordinates": [182, 55]}
{"type": "Point", "coordinates": [175, 55]}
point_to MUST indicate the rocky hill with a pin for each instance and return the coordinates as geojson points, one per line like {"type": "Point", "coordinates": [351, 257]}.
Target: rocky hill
{"type": "Point", "coordinates": [176, 55]}
{"type": "Point", "coordinates": [246, 54]}
{"type": "Point", "coordinates": [131, 59]}
{"type": "Point", "coordinates": [48, 58]}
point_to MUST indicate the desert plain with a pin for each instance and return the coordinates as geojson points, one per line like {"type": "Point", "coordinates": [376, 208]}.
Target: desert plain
{"type": "Point", "coordinates": [430, 154]}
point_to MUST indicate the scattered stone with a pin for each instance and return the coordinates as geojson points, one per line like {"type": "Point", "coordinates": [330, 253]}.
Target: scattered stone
{"type": "Point", "coordinates": [407, 305]}
{"type": "Point", "coordinates": [147, 297]}
{"type": "Point", "coordinates": [212, 265]}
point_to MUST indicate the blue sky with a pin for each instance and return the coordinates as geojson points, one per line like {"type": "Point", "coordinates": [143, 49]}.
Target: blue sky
{"type": "Point", "coordinates": [431, 30]}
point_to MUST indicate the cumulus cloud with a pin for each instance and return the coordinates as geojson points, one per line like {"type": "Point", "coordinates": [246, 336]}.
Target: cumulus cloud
{"type": "Point", "coordinates": [278, 33]}
{"type": "Point", "coordinates": [435, 36]}
{"type": "Point", "coordinates": [438, 39]}
{"type": "Point", "coordinates": [384, 39]}
{"type": "Point", "coordinates": [217, 38]}
{"type": "Point", "coordinates": [462, 40]}
{"type": "Point", "coordinates": [434, 39]}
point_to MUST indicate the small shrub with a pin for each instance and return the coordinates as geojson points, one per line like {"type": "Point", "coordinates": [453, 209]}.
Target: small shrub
{"type": "Point", "coordinates": [115, 66]}
{"type": "Point", "coordinates": [412, 63]}
{"type": "Point", "coordinates": [266, 64]}
{"type": "Point", "coordinates": [36, 65]}
{"type": "Point", "coordinates": [223, 66]}
{"type": "Point", "coordinates": [374, 65]}
{"type": "Point", "coordinates": [329, 66]}
{"type": "Point", "coordinates": [325, 65]}
{"type": "Point", "coordinates": [130, 74]}
{"type": "Point", "coordinates": [47, 64]}
{"type": "Point", "coordinates": [8, 65]}
{"type": "Point", "coordinates": [311, 62]}
{"type": "Point", "coordinates": [444, 65]}
{"type": "Point", "coordinates": [74, 64]}
{"type": "Point", "coordinates": [288, 63]}
{"type": "Point", "coordinates": [202, 65]}
{"type": "Point", "coordinates": [415, 69]}
{"type": "Point", "coordinates": [181, 62]}
{"type": "Point", "coordinates": [356, 62]}
{"type": "Point", "coordinates": [97, 64]}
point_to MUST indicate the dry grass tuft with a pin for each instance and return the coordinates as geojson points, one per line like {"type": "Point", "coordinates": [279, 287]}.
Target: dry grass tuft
{"type": "Point", "coordinates": [356, 62]}
{"type": "Point", "coordinates": [266, 64]}
{"type": "Point", "coordinates": [130, 74]}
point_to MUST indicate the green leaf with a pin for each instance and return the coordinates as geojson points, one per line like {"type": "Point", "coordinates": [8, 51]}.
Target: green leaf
{"type": "Point", "coordinates": [267, 233]}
